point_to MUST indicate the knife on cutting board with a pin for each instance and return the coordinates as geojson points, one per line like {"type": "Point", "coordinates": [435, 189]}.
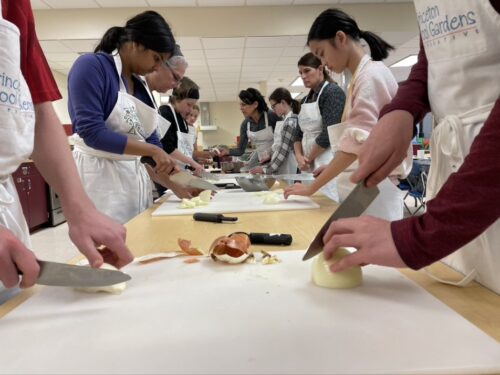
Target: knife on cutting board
{"type": "Point", "coordinates": [293, 176]}
{"type": "Point", "coordinates": [183, 178]}
{"type": "Point", "coordinates": [61, 274]}
{"type": "Point", "coordinates": [354, 205]}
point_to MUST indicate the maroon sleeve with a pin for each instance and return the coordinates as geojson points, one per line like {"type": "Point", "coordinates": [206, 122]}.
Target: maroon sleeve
{"type": "Point", "coordinates": [467, 204]}
{"type": "Point", "coordinates": [412, 93]}
{"type": "Point", "coordinates": [34, 66]}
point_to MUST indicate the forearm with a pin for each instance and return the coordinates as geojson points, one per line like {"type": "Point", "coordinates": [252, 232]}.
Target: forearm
{"type": "Point", "coordinates": [53, 158]}
{"type": "Point", "coordinates": [297, 147]}
{"type": "Point", "coordinates": [451, 221]}
{"type": "Point", "coordinates": [176, 154]}
{"type": "Point", "coordinates": [315, 152]}
{"type": "Point", "coordinates": [139, 148]}
{"type": "Point", "coordinates": [340, 162]}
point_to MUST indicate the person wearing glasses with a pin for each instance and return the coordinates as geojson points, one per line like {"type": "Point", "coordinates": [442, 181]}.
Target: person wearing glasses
{"type": "Point", "coordinates": [112, 122]}
{"type": "Point", "coordinates": [178, 141]}
{"type": "Point", "coordinates": [321, 108]}
{"type": "Point", "coordinates": [283, 159]}
{"type": "Point", "coordinates": [257, 127]}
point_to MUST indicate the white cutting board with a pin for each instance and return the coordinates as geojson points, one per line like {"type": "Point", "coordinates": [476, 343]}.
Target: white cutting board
{"type": "Point", "coordinates": [236, 200]}
{"type": "Point", "coordinates": [215, 318]}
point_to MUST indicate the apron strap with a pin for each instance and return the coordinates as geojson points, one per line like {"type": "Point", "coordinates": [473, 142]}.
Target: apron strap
{"type": "Point", "coordinates": [175, 116]}
{"type": "Point", "coordinates": [118, 65]}
{"type": "Point", "coordinates": [466, 280]}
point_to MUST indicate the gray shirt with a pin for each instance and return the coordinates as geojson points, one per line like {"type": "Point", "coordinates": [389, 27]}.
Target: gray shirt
{"type": "Point", "coordinates": [261, 124]}
{"type": "Point", "coordinates": [331, 105]}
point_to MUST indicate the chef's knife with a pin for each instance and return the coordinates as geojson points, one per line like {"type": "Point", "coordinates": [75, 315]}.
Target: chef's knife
{"type": "Point", "coordinates": [204, 174]}
{"type": "Point", "coordinates": [292, 176]}
{"type": "Point", "coordinates": [61, 274]}
{"type": "Point", "coordinates": [354, 205]}
{"type": "Point", "coordinates": [183, 178]}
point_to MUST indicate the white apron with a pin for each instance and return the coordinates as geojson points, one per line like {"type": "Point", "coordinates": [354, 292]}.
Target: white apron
{"type": "Point", "coordinates": [163, 123]}
{"type": "Point", "coordinates": [119, 185]}
{"type": "Point", "coordinates": [17, 129]}
{"type": "Point", "coordinates": [463, 76]}
{"type": "Point", "coordinates": [389, 203]}
{"type": "Point", "coordinates": [263, 142]}
{"type": "Point", "coordinates": [289, 165]}
{"type": "Point", "coordinates": [185, 141]}
{"type": "Point", "coordinates": [311, 124]}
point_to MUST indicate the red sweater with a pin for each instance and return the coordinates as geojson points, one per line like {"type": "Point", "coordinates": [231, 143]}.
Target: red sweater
{"type": "Point", "coordinates": [468, 203]}
{"type": "Point", "coordinates": [34, 66]}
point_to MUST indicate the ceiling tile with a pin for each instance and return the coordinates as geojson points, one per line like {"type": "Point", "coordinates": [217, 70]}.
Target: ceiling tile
{"type": "Point", "coordinates": [258, 68]}
{"type": "Point", "coordinates": [172, 3]}
{"type": "Point", "coordinates": [297, 41]}
{"type": "Point", "coordinates": [39, 4]}
{"type": "Point", "coordinates": [188, 43]}
{"type": "Point", "coordinates": [122, 3]}
{"type": "Point", "coordinates": [225, 68]}
{"type": "Point", "coordinates": [54, 46]}
{"type": "Point", "coordinates": [61, 57]}
{"type": "Point", "coordinates": [254, 76]}
{"type": "Point", "coordinates": [81, 45]}
{"type": "Point", "coordinates": [225, 79]}
{"type": "Point", "coordinates": [220, 43]}
{"type": "Point", "coordinates": [218, 3]}
{"type": "Point", "coordinates": [263, 52]}
{"type": "Point", "coordinates": [224, 62]}
{"type": "Point", "coordinates": [196, 63]}
{"type": "Point", "coordinates": [270, 61]}
{"type": "Point", "coordinates": [267, 41]}
{"type": "Point", "coordinates": [295, 51]}
{"type": "Point", "coordinates": [193, 54]}
{"type": "Point", "coordinates": [224, 53]}
{"type": "Point", "coordinates": [73, 4]}
{"type": "Point", "coordinates": [289, 60]}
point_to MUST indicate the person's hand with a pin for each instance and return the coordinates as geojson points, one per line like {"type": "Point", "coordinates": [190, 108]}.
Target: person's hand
{"type": "Point", "coordinates": [164, 162]}
{"type": "Point", "coordinates": [298, 189]}
{"type": "Point", "coordinates": [302, 163]}
{"type": "Point", "coordinates": [318, 170]}
{"type": "Point", "coordinates": [179, 190]}
{"type": "Point", "coordinates": [385, 148]}
{"type": "Point", "coordinates": [98, 237]}
{"type": "Point", "coordinates": [222, 151]}
{"type": "Point", "coordinates": [371, 236]}
{"type": "Point", "coordinates": [198, 168]}
{"type": "Point", "coordinates": [257, 170]}
{"type": "Point", "coordinates": [15, 256]}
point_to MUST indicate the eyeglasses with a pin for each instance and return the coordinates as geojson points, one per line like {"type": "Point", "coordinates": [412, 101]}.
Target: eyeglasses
{"type": "Point", "coordinates": [176, 76]}
{"type": "Point", "coordinates": [274, 105]}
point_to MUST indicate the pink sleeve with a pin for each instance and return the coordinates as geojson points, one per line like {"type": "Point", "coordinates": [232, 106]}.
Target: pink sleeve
{"type": "Point", "coordinates": [375, 87]}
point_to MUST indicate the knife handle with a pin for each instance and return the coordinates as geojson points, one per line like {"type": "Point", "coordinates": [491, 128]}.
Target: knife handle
{"type": "Point", "coordinates": [148, 160]}
{"type": "Point", "coordinates": [270, 238]}
{"type": "Point", "coordinates": [213, 218]}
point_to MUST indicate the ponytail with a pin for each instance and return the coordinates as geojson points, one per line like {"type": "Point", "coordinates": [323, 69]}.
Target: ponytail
{"type": "Point", "coordinates": [379, 48]}
{"type": "Point", "coordinates": [330, 21]}
{"type": "Point", "coordinates": [282, 94]}
{"type": "Point", "coordinates": [250, 96]}
{"type": "Point", "coordinates": [295, 106]}
{"type": "Point", "coordinates": [111, 40]}
{"type": "Point", "coordinates": [148, 29]}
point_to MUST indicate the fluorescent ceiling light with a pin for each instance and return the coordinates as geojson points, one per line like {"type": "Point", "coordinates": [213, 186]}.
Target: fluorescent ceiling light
{"type": "Point", "coordinates": [407, 61]}
{"type": "Point", "coordinates": [298, 82]}
{"type": "Point", "coordinates": [295, 94]}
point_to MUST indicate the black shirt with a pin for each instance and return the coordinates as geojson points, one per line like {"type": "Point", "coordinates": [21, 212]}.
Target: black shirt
{"type": "Point", "coordinates": [169, 141]}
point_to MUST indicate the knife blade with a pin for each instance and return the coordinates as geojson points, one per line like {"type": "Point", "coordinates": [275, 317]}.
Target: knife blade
{"type": "Point", "coordinates": [292, 176]}
{"type": "Point", "coordinates": [61, 274]}
{"type": "Point", "coordinates": [354, 205]}
{"type": "Point", "coordinates": [187, 179]}
{"type": "Point", "coordinates": [183, 178]}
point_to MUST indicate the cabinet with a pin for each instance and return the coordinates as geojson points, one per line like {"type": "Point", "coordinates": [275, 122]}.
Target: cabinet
{"type": "Point", "coordinates": [32, 191]}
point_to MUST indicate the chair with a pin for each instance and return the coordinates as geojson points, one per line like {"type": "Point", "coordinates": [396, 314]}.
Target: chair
{"type": "Point", "coordinates": [418, 184]}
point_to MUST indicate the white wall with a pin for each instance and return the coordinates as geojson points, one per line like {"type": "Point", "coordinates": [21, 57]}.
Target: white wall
{"type": "Point", "coordinates": [227, 117]}
{"type": "Point", "coordinates": [61, 106]}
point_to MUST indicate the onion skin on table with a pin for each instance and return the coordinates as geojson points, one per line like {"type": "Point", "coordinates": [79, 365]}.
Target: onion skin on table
{"type": "Point", "coordinates": [231, 249]}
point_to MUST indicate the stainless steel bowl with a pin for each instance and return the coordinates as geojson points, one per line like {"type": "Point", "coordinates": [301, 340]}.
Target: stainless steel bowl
{"type": "Point", "coordinates": [255, 183]}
